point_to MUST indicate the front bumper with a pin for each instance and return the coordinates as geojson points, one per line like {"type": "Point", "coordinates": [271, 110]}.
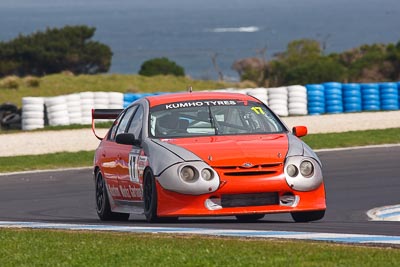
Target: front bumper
{"type": "Point", "coordinates": [249, 200]}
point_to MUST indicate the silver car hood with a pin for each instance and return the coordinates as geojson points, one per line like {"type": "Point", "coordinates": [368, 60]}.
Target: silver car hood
{"type": "Point", "coordinates": [162, 155]}
{"type": "Point", "coordinates": [299, 148]}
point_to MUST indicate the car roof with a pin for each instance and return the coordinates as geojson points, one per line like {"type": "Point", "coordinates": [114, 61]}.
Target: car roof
{"type": "Point", "coordinates": [156, 100]}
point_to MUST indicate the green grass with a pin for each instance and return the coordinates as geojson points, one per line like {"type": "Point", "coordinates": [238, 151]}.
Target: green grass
{"type": "Point", "coordinates": [60, 248]}
{"type": "Point", "coordinates": [61, 84]}
{"type": "Point", "coordinates": [46, 161]}
{"type": "Point", "coordinates": [354, 138]}
{"type": "Point", "coordinates": [85, 158]}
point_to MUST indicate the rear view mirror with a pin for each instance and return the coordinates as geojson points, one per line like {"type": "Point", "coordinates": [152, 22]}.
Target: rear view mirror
{"type": "Point", "coordinates": [300, 131]}
{"type": "Point", "coordinates": [127, 139]}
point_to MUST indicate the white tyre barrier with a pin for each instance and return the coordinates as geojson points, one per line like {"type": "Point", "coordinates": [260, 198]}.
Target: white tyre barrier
{"type": "Point", "coordinates": [57, 110]}
{"type": "Point", "coordinates": [278, 100]}
{"type": "Point", "coordinates": [33, 108]}
{"type": "Point", "coordinates": [299, 111]}
{"type": "Point", "coordinates": [116, 106]}
{"type": "Point", "coordinates": [30, 127]}
{"type": "Point", "coordinates": [297, 100]}
{"type": "Point", "coordinates": [297, 105]}
{"type": "Point", "coordinates": [86, 95]}
{"type": "Point", "coordinates": [60, 121]}
{"type": "Point", "coordinates": [32, 101]}
{"type": "Point", "coordinates": [86, 120]}
{"type": "Point", "coordinates": [33, 121]}
{"type": "Point", "coordinates": [259, 93]}
{"type": "Point", "coordinates": [32, 113]}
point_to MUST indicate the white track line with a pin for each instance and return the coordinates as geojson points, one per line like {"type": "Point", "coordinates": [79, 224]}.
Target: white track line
{"type": "Point", "coordinates": [329, 237]}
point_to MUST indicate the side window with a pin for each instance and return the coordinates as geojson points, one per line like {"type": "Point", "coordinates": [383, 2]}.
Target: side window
{"type": "Point", "coordinates": [125, 120]}
{"type": "Point", "coordinates": [113, 131]}
{"type": "Point", "coordinates": [136, 124]}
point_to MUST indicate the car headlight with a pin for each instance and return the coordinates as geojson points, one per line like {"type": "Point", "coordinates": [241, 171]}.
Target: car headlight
{"type": "Point", "coordinates": [188, 174]}
{"type": "Point", "coordinates": [303, 173]}
{"type": "Point", "coordinates": [306, 168]}
{"type": "Point", "coordinates": [207, 174]}
{"type": "Point", "coordinates": [292, 170]}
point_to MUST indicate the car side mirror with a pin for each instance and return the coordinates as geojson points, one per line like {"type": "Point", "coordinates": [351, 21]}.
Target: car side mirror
{"type": "Point", "coordinates": [127, 139]}
{"type": "Point", "coordinates": [300, 131]}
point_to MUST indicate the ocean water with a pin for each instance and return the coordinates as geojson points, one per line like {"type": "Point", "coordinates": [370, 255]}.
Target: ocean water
{"type": "Point", "coordinates": [191, 32]}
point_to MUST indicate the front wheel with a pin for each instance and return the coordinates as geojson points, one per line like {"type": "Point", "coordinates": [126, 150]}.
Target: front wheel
{"type": "Point", "coordinates": [150, 197]}
{"type": "Point", "coordinates": [308, 216]}
{"type": "Point", "coordinates": [150, 200]}
{"type": "Point", "coordinates": [103, 204]}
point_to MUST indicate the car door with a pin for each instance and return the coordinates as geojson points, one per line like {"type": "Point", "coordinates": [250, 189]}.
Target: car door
{"type": "Point", "coordinates": [129, 177]}
{"type": "Point", "coordinates": [112, 154]}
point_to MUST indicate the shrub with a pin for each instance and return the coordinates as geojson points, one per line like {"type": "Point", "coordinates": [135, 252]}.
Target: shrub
{"type": "Point", "coordinates": [54, 50]}
{"type": "Point", "coordinates": [10, 82]}
{"type": "Point", "coordinates": [31, 81]}
{"type": "Point", "coordinates": [161, 66]}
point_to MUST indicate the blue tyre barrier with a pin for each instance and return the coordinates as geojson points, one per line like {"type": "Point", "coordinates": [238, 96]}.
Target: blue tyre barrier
{"type": "Point", "coordinates": [387, 85]}
{"type": "Point", "coordinates": [333, 97]}
{"type": "Point", "coordinates": [316, 110]}
{"type": "Point", "coordinates": [315, 99]}
{"type": "Point", "coordinates": [350, 93]}
{"type": "Point", "coordinates": [352, 108]}
{"type": "Point", "coordinates": [334, 109]}
{"type": "Point", "coordinates": [333, 102]}
{"type": "Point", "coordinates": [371, 107]}
{"type": "Point", "coordinates": [333, 91]}
{"type": "Point", "coordinates": [332, 85]}
{"type": "Point", "coordinates": [372, 97]}
{"type": "Point", "coordinates": [370, 85]}
{"type": "Point", "coordinates": [316, 104]}
{"type": "Point", "coordinates": [390, 107]}
{"type": "Point", "coordinates": [389, 96]}
{"type": "Point", "coordinates": [352, 100]}
{"type": "Point", "coordinates": [370, 91]}
{"type": "Point", "coordinates": [389, 90]}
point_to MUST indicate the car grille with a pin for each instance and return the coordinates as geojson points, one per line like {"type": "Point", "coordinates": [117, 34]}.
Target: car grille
{"type": "Point", "coordinates": [254, 199]}
{"type": "Point", "coordinates": [256, 170]}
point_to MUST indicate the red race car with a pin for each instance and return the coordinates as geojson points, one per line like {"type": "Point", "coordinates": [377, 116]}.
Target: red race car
{"type": "Point", "coordinates": [204, 154]}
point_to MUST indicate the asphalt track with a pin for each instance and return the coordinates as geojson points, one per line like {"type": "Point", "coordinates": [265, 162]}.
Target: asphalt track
{"type": "Point", "coordinates": [357, 180]}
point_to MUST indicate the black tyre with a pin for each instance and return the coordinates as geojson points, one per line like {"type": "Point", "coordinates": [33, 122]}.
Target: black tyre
{"type": "Point", "coordinates": [150, 197]}
{"type": "Point", "coordinates": [249, 217]}
{"type": "Point", "coordinates": [103, 204]}
{"type": "Point", "coordinates": [308, 216]}
{"type": "Point", "coordinates": [150, 200]}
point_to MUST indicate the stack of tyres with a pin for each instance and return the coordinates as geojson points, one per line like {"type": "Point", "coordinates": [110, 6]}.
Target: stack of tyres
{"type": "Point", "coordinates": [333, 97]}
{"type": "Point", "coordinates": [87, 104]}
{"type": "Point", "coordinates": [32, 113]}
{"type": "Point", "coordinates": [259, 93]}
{"type": "Point", "coordinates": [74, 108]}
{"type": "Point", "coordinates": [389, 96]}
{"type": "Point", "coordinates": [57, 110]}
{"type": "Point", "coordinates": [116, 100]}
{"type": "Point", "coordinates": [370, 96]}
{"type": "Point", "coordinates": [101, 100]}
{"type": "Point", "coordinates": [297, 100]}
{"type": "Point", "coordinates": [315, 99]}
{"type": "Point", "coordinates": [398, 88]}
{"type": "Point", "coordinates": [352, 97]}
{"type": "Point", "coordinates": [278, 100]}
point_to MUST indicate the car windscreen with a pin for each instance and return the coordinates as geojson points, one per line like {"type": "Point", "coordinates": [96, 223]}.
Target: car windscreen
{"type": "Point", "coordinates": [212, 117]}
